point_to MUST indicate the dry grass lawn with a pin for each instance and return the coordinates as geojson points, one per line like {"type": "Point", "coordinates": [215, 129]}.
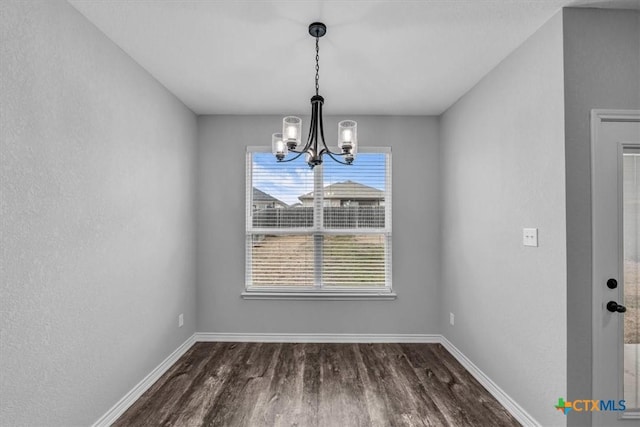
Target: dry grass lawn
{"type": "Point", "coordinates": [348, 260]}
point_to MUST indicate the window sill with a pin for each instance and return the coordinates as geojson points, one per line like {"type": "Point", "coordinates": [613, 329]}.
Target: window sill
{"type": "Point", "coordinates": [323, 295]}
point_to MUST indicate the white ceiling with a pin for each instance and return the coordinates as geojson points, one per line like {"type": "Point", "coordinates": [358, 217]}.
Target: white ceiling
{"type": "Point", "coordinates": [378, 57]}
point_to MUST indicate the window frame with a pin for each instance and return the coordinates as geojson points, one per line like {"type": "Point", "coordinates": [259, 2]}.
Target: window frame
{"type": "Point", "coordinates": [331, 292]}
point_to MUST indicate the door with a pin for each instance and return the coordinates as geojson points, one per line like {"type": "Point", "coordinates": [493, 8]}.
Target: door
{"type": "Point", "coordinates": [615, 153]}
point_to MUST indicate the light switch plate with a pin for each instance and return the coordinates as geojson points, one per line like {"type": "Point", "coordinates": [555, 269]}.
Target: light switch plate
{"type": "Point", "coordinates": [530, 236]}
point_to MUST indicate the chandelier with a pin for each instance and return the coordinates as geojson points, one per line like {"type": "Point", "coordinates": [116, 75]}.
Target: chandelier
{"type": "Point", "coordinates": [290, 138]}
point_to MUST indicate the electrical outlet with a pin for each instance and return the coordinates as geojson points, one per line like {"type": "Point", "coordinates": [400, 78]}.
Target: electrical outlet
{"type": "Point", "coordinates": [452, 319]}
{"type": "Point", "coordinates": [530, 237]}
{"type": "Point", "coordinates": [180, 320]}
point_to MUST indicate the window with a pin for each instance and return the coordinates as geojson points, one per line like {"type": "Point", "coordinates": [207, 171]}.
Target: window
{"type": "Point", "coordinates": [322, 232]}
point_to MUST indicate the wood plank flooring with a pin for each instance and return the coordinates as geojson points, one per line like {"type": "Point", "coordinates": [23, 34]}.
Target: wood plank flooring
{"type": "Point", "coordinates": [274, 384]}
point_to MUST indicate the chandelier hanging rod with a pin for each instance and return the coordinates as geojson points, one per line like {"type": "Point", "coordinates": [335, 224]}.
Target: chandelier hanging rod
{"type": "Point", "coordinates": [289, 139]}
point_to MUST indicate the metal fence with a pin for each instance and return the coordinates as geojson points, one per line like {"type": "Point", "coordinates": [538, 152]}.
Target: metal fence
{"type": "Point", "coordinates": [334, 217]}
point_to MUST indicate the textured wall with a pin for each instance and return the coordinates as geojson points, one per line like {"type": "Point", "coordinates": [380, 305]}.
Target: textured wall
{"type": "Point", "coordinates": [96, 218]}
{"type": "Point", "coordinates": [221, 221]}
{"type": "Point", "coordinates": [503, 170]}
{"type": "Point", "coordinates": [602, 65]}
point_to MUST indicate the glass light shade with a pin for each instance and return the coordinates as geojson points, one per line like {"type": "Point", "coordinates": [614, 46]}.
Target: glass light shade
{"type": "Point", "coordinates": [348, 138]}
{"type": "Point", "coordinates": [291, 131]}
{"type": "Point", "coordinates": [278, 147]}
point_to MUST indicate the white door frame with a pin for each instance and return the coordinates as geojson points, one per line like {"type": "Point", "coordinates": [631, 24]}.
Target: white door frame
{"type": "Point", "coordinates": [598, 116]}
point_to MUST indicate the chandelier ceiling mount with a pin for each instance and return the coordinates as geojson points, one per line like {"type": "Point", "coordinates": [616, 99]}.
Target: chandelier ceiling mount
{"type": "Point", "coordinates": [317, 29]}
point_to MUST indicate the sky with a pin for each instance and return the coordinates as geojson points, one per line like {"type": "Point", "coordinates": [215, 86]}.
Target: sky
{"type": "Point", "coordinates": [287, 181]}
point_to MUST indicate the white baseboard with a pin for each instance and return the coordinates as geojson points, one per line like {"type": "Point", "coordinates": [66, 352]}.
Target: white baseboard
{"type": "Point", "coordinates": [123, 404]}
{"type": "Point", "coordinates": [137, 391]}
{"type": "Point", "coordinates": [317, 338]}
{"type": "Point", "coordinates": [501, 396]}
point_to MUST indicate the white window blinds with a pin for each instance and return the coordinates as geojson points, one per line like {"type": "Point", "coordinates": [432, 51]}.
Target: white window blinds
{"type": "Point", "coordinates": [327, 228]}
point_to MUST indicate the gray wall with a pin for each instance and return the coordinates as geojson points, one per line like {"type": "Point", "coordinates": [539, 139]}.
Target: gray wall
{"type": "Point", "coordinates": [96, 218]}
{"type": "Point", "coordinates": [221, 221]}
{"type": "Point", "coordinates": [602, 65]}
{"type": "Point", "coordinates": [503, 170]}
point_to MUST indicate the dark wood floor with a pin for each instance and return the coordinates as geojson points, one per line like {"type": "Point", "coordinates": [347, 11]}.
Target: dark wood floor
{"type": "Point", "coordinates": [269, 384]}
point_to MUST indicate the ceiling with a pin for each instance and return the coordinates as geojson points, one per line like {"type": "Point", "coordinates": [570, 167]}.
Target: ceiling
{"type": "Point", "coordinates": [378, 57]}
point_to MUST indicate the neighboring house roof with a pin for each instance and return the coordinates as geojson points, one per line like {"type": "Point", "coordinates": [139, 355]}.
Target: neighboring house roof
{"type": "Point", "coordinates": [261, 196]}
{"type": "Point", "coordinates": [348, 190]}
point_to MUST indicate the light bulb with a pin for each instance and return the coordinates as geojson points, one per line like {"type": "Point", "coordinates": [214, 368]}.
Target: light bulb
{"type": "Point", "coordinates": [347, 135]}
{"type": "Point", "coordinates": [291, 132]}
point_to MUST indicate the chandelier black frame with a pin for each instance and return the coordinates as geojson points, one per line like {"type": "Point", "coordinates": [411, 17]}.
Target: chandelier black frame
{"type": "Point", "coordinates": [290, 138]}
